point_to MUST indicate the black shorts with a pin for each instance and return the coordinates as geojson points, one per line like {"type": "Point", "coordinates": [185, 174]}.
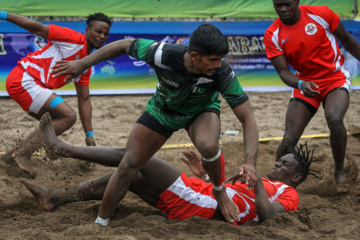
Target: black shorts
{"type": "Point", "coordinates": [152, 123]}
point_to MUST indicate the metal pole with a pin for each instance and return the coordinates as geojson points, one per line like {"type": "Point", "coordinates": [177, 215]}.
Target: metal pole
{"type": "Point", "coordinates": [355, 9]}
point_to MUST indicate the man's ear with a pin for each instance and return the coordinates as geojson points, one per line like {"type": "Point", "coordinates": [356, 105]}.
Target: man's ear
{"type": "Point", "coordinates": [87, 29]}
{"type": "Point", "coordinates": [296, 178]}
{"type": "Point", "coordinates": [194, 57]}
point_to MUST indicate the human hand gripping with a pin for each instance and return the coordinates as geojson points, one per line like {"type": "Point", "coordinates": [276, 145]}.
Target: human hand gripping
{"type": "Point", "coordinates": [73, 68]}
{"type": "Point", "coordinates": [308, 89]}
{"type": "Point", "coordinates": [193, 161]}
{"type": "Point", "coordinates": [247, 174]}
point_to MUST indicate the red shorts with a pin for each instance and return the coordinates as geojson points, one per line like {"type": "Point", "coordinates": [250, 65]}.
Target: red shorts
{"type": "Point", "coordinates": [325, 86]}
{"type": "Point", "coordinates": [188, 197]}
{"type": "Point", "coordinates": [27, 91]}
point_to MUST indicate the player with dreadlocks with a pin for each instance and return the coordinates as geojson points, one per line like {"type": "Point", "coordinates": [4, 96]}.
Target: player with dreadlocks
{"type": "Point", "coordinates": [29, 83]}
{"type": "Point", "coordinates": [305, 158]}
{"type": "Point", "coordinates": [167, 188]}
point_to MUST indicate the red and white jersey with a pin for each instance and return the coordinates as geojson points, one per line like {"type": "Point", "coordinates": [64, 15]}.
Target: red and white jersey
{"type": "Point", "coordinates": [245, 199]}
{"type": "Point", "coordinates": [188, 197]}
{"type": "Point", "coordinates": [309, 45]}
{"type": "Point", "coordinates": [64, 44]}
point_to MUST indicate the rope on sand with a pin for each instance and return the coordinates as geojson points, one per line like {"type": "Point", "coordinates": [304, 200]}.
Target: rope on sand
{"type": "Point", "coordinates": [321, 135]}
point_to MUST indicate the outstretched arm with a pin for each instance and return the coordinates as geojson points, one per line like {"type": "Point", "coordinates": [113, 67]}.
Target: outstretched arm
{"type": "Point", "coordinates": [37, 28]}
{"type": "Point", "coordinates": [347, 40]}
{"type": "Point", "coordinates": [251, 143]}
{"type": "Point", "coordinates": [77, 67]}
{"type": "Point", "coordinates": [85, 111]}
{"type": "Point", "coordinates": [282, 68]}
{"type": "Point", "coordinates": [264, 208]}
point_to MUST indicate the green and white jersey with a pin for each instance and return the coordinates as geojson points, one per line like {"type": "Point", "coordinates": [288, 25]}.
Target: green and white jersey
{"type": "Point", "coordinates": [180, 92]}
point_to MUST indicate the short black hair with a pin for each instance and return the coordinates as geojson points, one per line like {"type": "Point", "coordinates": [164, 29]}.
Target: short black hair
{"type": "Point", "coordinates": [305, 157]}
{"type": "Point", "coordinates": [98, 17]}
{"type": "Point", "coordinates": [208, 40]}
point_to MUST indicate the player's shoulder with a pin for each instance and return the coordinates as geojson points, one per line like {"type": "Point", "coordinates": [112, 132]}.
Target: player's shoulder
{"type": "Point", "coordinates": [173, 55]}
{"type": "Point", "coordinates": [274, 26]}
{"type": "Point", "coordinates": [316, 10]}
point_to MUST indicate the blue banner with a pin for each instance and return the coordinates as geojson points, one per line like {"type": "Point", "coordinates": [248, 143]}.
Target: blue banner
{"type": "Point", "coordinates": [246, 56]}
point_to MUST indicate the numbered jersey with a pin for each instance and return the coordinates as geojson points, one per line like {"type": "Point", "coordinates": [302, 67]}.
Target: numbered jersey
{"type": "Point", "coordinates": [182, 92]}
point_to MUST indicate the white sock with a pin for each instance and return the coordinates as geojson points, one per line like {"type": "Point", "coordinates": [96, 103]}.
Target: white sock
{"type": "Point", "coordinates": [102, 221]}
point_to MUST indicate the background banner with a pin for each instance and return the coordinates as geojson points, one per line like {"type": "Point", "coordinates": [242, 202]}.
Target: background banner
{"type": "Point", "coordinates": [130, 76]}
{"type": "Point", "coordinates": [125, 75]}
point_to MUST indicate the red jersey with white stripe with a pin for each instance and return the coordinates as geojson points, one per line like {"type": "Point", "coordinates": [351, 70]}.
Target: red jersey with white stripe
{"type": "Point", "coordinates": [309, 45]}
{"type": "Point", "coordinates": [64, 44]}
{"type": "Point", "coordinates": [188, 197]}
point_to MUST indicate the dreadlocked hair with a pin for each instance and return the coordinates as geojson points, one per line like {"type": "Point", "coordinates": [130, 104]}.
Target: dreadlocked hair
{"type": "Point", "coordinates": [305, 157]}
{"type": "Point", "coordinates": [98, 17]}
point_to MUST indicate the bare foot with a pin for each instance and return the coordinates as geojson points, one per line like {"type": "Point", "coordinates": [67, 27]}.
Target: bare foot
{"type": "Point", "coordinates": [24, 164]}
{"type": "Point", "coordinates": [52, 148]}
{"type": "Point", "coordinates": [41, 194]}
{"type": "Point", "coordinates": [7, 157]}
{"type": "Point", "coordinates": [228, 208]}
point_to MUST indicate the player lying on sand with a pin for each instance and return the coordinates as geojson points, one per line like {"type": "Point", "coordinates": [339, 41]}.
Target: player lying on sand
{"type": "Point", "coordinates": [167, 188]}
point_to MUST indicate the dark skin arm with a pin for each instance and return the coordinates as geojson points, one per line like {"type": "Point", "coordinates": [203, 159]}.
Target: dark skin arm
{"type": "Point", "coordinates": [251, 144]}
{"type": "Point", "coordinates": [264, 208]}
{"type": "Point", "coordinates": [85, 111]}
{"type": "Point", "coordinates": [347, 40]}
{"type": "Point", "coordinates": [77, 67]}
{"type": "Point", "coordinates": [37, 28]}
{"type": "Point", "coordinates": [282, 68]}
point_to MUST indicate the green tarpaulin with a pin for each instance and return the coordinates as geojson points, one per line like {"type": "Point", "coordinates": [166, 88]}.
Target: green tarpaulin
{"type": "Point", "coordinates": [163, 8]}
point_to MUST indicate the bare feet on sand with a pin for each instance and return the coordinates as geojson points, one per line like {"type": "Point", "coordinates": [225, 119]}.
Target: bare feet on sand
{"type": "Point", "coordinates": [49, 138]}
{"type": "Point", "coordinates": [7, 157]}
{"type": "Point", "coordinates": [228, 208]}
{"type": "Point", "coordinates": [41, 194]}
{"type": "Point", "coordinates": [24, 163]}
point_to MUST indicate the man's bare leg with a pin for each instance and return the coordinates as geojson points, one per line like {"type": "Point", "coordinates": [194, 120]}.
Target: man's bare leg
{"type": "Point", "coordinates": [207, 143]}
{"type": "Point", "coordinates": [23, 154]}
{"type": "Point", "coordinates": [336, 105]}
{"type": "Point", "coordinates": [228, 208]}
{"type": "Point", "coordinates": [155, 177]}
{"type": "Point", "coordinates": [101, 155]}
{"type": "Point", "coordinates": [49, 200]}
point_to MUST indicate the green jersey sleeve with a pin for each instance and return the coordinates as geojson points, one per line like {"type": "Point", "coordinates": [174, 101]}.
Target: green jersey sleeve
{"type": "Point", "coordinates": [141, 48]}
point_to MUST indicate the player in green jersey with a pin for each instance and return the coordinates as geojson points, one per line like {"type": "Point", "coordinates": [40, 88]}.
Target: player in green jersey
{"type": "Point", "coordinates": [190, 80]}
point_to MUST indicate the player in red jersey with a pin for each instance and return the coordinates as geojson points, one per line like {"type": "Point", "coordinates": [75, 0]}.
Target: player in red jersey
{"type": "Point", "coordinates": [165, 187]}
{"type": "Point", "coordinates": [304, 37]}
{"type": "Point", "coordinates": [29, 83]}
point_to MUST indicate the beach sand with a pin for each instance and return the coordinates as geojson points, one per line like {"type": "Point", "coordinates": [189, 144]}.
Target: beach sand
{"type": "Point", "coordinates": [323, 213]}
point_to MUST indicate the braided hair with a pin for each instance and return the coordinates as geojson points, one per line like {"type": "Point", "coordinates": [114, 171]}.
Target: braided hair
{"type": "Point", "coordinates": [98, 17]}
{"type": "Point", "coordinates": [305, 157]}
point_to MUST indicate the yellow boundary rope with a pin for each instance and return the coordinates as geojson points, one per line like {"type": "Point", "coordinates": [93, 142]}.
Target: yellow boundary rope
{"type": "Point", "coordinates": [169, 146]}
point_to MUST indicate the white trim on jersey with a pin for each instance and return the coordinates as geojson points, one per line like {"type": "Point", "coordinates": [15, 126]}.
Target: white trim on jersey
{"type": "Point", "coordinates": [275, 39]}
{"type": "Point", "coordinates": [231, 193]}
{"type": "Point", "coordinates": [58, 51]}
{"type": "Point", "coordinates": [204, 80]}
{"type": "Point", "coordinates": [330, 36]}
{"type": "Point", "coordinates": [25, 65]}
{"type": "Point", "coordinates": [184, 192]}
{"type": "Point", "coordinates": [158, 58]}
